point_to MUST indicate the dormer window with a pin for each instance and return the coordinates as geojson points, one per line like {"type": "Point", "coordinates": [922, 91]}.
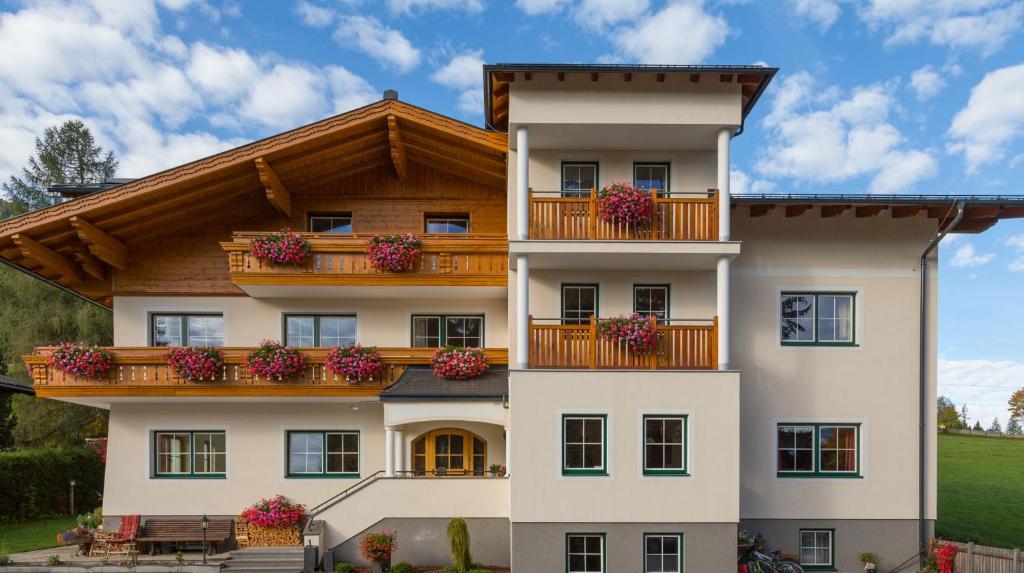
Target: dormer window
{"type": "Point", "coordinates": [330, 223]}
{"type": "Point", "coordinates": [447, 224]}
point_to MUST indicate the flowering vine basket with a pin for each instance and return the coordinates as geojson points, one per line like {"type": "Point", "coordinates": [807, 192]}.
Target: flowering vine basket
{"type": "Point", "coordinates": [394, 253]}
{"type": "Point", "coordinates": [355, 362]}
{"type": "Point", "coordinates": [623, 202]}
{"type": "Point", "coordinates": [274, 522]}
{"type": "Point", "coordinates": [636, 331]}
{"type": "Point", "coordinates": [275, 361]}
{"type": "Point", "coordinates": [282, 248]}
{"type": "Point", "coordinates": [379, 546]}
{"type": "Point", "coordinates": [459, 363]}
{"type": "Point", "coordinates": [81, 360]}
{"type": "Point", "coordinates": [196, 363]}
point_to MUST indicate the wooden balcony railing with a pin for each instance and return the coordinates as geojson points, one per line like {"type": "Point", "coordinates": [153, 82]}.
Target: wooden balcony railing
{"type": "Point", "coordinates": [447, 260]}
{"type": "Point", "coordinates": [144, 371]}
{"type": "Point", "coordinates": [685, 345]}
{"type": "Point", "coordinates": [678, 217]}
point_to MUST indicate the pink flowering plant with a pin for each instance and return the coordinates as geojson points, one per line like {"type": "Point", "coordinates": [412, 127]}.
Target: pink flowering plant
{"type": "Point", "coordinates": [459, 363]}
{"type": "Point", "coordinates": [394, 253]}
{"type": "Point", "coordinates": [378, 546]}
{"type": "Point", "coordinates": [81, 360]}
{"type": "Point", "coordinates": [623, 202]}
{"type": "Point", "coordinates": [638, 332]}
{"type": "Point", "coordinates": [195, 363]}
{"type": "Point", "coordinates": [354, 362]}
{"type": "Point", "coordinates": [282, 248]}
{"type": "Point", "coordinates": [277, 511]}
{"type": "Point", "coordinates": [275, 361]}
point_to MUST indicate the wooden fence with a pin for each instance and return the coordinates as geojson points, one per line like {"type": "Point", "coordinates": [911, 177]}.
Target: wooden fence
{"type": "Point", "coordinates": [971, 558]}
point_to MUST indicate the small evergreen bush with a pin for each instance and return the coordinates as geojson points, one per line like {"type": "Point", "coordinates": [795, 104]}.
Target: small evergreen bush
{"type": "Point", "coordinates": [458, 540]}
{"type": "Point", "coordinates": [401, 567]}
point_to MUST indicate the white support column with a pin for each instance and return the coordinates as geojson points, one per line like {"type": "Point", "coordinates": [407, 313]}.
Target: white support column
{"type": "Point", "coordinates": [522, 183]}
{"type": "Point", "coordinates": [508, 450]}
{"type": "Point", "coordinates": [389, 451]}
{"type": "Point", "coordinates": [722, 296]}
{"type": "Point", "coordinates": [400, 452]}
{"type": "Point", "coordinates": [522, 312]}
{"type": "Point", "coordinates": [724, 200]}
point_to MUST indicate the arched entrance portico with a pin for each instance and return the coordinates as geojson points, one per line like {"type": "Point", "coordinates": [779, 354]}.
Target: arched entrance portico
{"type": "Point", "coordinates": [449, 451]}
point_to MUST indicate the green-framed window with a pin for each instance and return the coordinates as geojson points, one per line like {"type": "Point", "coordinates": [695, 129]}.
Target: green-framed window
{"type": "Point", "coordinates": [663, 553]}
{"type": "Point", "coordinates": [652, 300]}
{"type": "Point", "coordinates": [322, 453]}
{"type": "Point", "coordinates": [437, 330]}
{"type": "Point", "coordinates": [818, 318]}
{"type": "Point", "coordinates": [180, 329]}
{"type": "Point", "coordinates": [579, 302]}
{"type": "Point", "coordinates": [665, 445]}
{"type": "Point", "coordinates": [818, 549]}
{"type": "Point", "coordinates": [579, 178]}
{"type": "Point", "coordinates": [305, 330]}
{"type": "Point", "coordinates": [652, 175]}
{"type": "Point", "coordinates": [584, 444]}
{"type": "Point", "coordinates": [190, 454]}
{"type": "Point", "coordinates": [585, 553]}
{"type": "Point", "coordinates": [818, 450]}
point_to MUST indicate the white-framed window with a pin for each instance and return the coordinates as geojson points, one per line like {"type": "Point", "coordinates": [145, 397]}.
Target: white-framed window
{"type": "Point", "coordinates": [584, 552]}
{"type": "Point", "coordinates": [663, 552]}
{"type": "Point", "coordinates": [323, 453]}
{"type": "Point", "coordinates": [818, 450]}
{"type": "Point", "coordinates": [179, 329]}
{"type": "Point", "coordinates": [579, 303]}
{"type": "Point", "coordinates": [817, 549]}
{"type": "Point", "coordinates": [304, 330]}
{"type": "Point", "coordinates": [652, 300]}
{"type": "Point", "coordinates": [817, 318]}
{"type": "Point", "coordinates": [449, 224]}
{"type": "Point", "coordinates": [331, 223]}
{"type": "Point", "coordinates": [190, 454]}
{"type": "Point", "coordinates": [651, 175]}
{"type": "Point", "coordinates": [665, 444]}
{"type": "Point", "coordinates": [579, 178]}
{"type": "Point", "coordinates": [584, 444]}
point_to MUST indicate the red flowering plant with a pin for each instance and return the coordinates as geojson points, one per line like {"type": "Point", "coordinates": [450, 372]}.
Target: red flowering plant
{"type": "Point", "coordinates": [195, 363]}
{"type": "Point", "coordinates": [638, 332]}
{"type": "Point", "coordinates": [378, 546]}
{"type": "Point", "coordinates": [394, 253]}
{"type": "Point", "coordinates": [282, 248]}
{"type": "Point", "coordinates": [354, 362]}
{"type": "Point", "coordinates": [81, 360]}
{"type": "Point", "coordinates": [459, 363]}
{"type": "Point", "coordinates": [275, 361]}
{"type": "Point", "coordinates": [945, 557]}
{"type": "Point", "coordinates": [277, 511]}
{"type": "Point", "coordinates": [623, 202]}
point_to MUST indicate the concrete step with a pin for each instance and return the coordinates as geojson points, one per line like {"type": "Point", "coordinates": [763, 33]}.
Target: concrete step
{"type": "Point", "coordinates": [257, 569]}
{"type": "Point", "coordinates": [266, 560]}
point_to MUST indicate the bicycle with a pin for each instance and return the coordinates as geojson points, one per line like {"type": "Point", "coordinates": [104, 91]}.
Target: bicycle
{"type": "Point", "coordinates": [774, 563]}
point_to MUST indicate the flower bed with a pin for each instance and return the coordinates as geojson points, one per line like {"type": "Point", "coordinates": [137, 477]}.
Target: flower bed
{"type": "Point", "coordinates": [638, 332]}
{"type": "Point", "coordinates": [459, 363]}
{"type": "Point", "coordinates": [394, 253]}
{"type": "Point", "coordinates": [194, 363]}
{"type": "Point", "coordinates": [355, 362]}
{"type": "Point", "coordinates": [378, 546]}
{"type": "Point", "coordinates": [282, 248]}
{"type": "Point", "coordinates": [274, 522]}
{"type": "Point", "coordinates": [82, 361]}
{"type": "Point", "coordinates": [275, 361]}
{"type": "Point", "coordinates": [623, 202]}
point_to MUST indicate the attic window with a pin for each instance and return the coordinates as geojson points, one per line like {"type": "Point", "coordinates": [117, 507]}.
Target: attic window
{"type": "Point", "coordinates": [331, 223]}
{"type": "Point", "coordinates": [452, 223]}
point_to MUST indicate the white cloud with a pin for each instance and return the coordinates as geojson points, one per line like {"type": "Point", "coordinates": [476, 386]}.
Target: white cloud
{"type": "Point", "coordinates": [314, 15]}
{"type": "Point", "coordinates": [303, 100]}
{"type": "Point", "coordinates": [982, 25]}
{"type": "Point", "coordinates": [740, 183]}
{"type": "Point", "coordinates": [412, 7]}
{"type": "Point", "coordinates": [984, 386]}
{"type": "Point", "coordinates": [464, 72]}
{"type": "Point", "coordinates": [534, 7]}
{"type": "Point", "coordinates": [1016, 242]}
{"type": "Point", "coordinates": [222, 74]}
{"type": "Point", "coordinates": [967, 257]}
{"type": "Point", "coordinates": [598, 14]}
{"type": "Point", "coordinates": [821, 12]}
{"type": "Point", "coordinates": [992, 118]}
{"type": "Point", "coordinates": [350, 91]}
{"type": "Point", "coordinates": [817, 135]}
{"type": "Point", "coordinates": [926, 82]}
{"type": "Point", "coordinates": [386, 45]}
{"type": "Point", "coordinates": [657, 38]}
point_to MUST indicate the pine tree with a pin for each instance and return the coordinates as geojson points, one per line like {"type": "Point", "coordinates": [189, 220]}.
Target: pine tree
{"type": "Point", "coordinates": [963, 416]}
{"type": "Point", "coordinates": [1013, 427]}
{"type": "Point", "coordinates": [977, 426]}
{"type": "Point", "coordinates": [996, 426]}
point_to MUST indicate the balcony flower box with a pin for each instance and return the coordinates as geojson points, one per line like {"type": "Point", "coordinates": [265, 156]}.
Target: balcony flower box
{"type": "Point", "coordinates": [196, 363]}
{"type": "Point", "coordinates": [459, 363]}
{"type": "Point", "coordinates": [394, 253]}
{"type": "Point", "coordinates": [355, 362]}
{"type": "Point", "coordinates": [282, 248]}
{"type": "Point", "coordinates": [274, 522]}
{"type": "Point", "coordinates": [638, 332]}
{"type": "Point", "coordinates": [623, 202]}
{"type": "Point", "coordinates": [275, 361]}
{"type": "Point", "coordinates": [83, 361]}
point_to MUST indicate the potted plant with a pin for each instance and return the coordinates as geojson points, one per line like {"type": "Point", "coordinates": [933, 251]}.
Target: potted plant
{"type": "Point", "coordinates": [378, 547]}
{"type": "Point", "coordinates": [274, 522]}
{"type": "Point", "coordinates": [623, 202]}
{"type": "Point", "coordinates": [945, 557]}
{"type": "Point", "coordinates": [459, 363]}
{"type": "Point", "coordinates": [638, 332]}
{"type": "Point", "coordinates": [282, 248]}
{"type": "Point", "coordinates": [497, 470]}
{"type": "Point", "coordinates": [394, 253]}
{"type": "Point", "coordinates": [195, 363]}
{"type": "Point", "coordinates": [80, 360]}
{"type": "Point", "coordinates": [354, 362]}
{"type": "Point", "coordinates": [275, 361]}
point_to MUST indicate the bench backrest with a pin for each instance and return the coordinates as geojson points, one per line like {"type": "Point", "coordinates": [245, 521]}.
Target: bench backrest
{"type": "Point", "coordinates": [218, 528]}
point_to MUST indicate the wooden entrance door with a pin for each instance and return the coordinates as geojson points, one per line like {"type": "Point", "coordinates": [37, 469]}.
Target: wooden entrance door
{"type": "Point", "coordinates": [449, 451]}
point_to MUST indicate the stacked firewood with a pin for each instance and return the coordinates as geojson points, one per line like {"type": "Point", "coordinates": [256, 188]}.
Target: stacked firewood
{"type": "Point", "coordinates": [260, 536]}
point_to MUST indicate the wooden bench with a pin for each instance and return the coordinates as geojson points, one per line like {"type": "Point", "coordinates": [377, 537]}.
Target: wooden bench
{"type": "Point", "coordinates": [157, 531]}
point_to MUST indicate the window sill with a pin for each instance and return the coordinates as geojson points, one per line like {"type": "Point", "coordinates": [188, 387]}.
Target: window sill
{"type": "Point", "coordinates": [576, 473]}
{"type": "Point", "coordinates": [196, 476]}
{"type": "Point", "coordinates": [810, 475]}
{"type": "Point", "coordinates": [819, 344]}
{"type": "Point", "coordinates": [666, 473]}
{"type": "Point", "coordinates": [322, 476]}
{"type": "Point", "coordinates": [819, 568]}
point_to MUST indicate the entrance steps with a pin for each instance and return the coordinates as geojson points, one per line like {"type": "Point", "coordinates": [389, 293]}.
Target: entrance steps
{"type": "Point", "coordinates": [265, 560]}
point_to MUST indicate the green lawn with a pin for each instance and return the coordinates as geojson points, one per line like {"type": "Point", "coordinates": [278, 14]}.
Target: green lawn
{"type": "Point", "coordinates": [29, 535]}
{"type": "Point", "coordinates": [981, 490]}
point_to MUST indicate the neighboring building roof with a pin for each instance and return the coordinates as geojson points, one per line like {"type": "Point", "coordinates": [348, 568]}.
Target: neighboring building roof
{"type": "Point", "coordinates": [76, 190]}
{"type": "Point", "coordinates": [420, 383]}
{"type": "Point", "coordinates": [10, 385]}
{"type": "Point", "coordinates": [753, 79]}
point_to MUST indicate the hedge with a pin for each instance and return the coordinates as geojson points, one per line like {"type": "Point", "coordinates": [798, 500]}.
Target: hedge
{"type": "Point", "coordinates": [37, 482]}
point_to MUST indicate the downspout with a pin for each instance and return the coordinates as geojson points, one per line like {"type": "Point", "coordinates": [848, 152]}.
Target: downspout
{"type": "Point", "coordinates": [922, 473]}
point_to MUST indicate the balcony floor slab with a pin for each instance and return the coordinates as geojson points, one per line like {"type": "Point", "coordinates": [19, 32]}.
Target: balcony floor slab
{"type": "Point", "coordinates": [623, 255]}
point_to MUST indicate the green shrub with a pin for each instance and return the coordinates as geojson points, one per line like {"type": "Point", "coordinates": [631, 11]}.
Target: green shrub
{"type": "Point", "coordinates": [53, 560]}
{"type": "Point", "coordinates": [344, 568]}
{"type": "Point", "coordinates": [36, 481]}
{"type": "Point", "coordinates": [401, 567]}
{"type": "Point", "coordinates": [458, 540]}
{"type": "Point", "coordinates": [479, 571]}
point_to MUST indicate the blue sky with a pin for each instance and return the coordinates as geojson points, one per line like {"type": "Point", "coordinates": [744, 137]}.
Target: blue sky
{"type": "Point", "coordinates": [883, 96]}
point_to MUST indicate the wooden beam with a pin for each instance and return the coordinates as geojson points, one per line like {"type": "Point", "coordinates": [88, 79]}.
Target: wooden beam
{"type": "Point", "coordinates": [593, 77]}
{"type": "Point", "coordinates": [868, 210]}
{"type": "Point", "coordinates": [725, 78]}
{"type": "Point", "coordinates": [797, 210]}
{"type": "Point", "coordinates": [90, 264]}
{"type": "Point", "coordinates": [277, 194]}
{"type": "Point", "coordinates": [528, 76]}
{"type": "Point", "coordinates": [100, 244]}
{"type": "Point", "coordinates": [659, 78]}
{"type": "Point", "coordinates": [694, 78]}
{"type": "Point", "coordinates": [901, 211]}
{"type": "Point", "coordinates": [760, 210]}
{"type": "Point", "coordinates": [47, 258]}
{"type": "Point", "coordinates": [627, 77]}
{"type": "Point", "coordinates": [561, 76]}
{"type": "Point", "coordinates": [397, 149]}
{"type": "Point", "coordinates": [833, 210]}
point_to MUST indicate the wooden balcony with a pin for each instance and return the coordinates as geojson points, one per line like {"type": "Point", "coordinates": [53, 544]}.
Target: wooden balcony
{"type": "Point", "coordinates": [143, 371]}
{"type": "Point", "coordinates": [682, 217]}
{"type": "Point", "coordinates": [681, 345]}
{"type": "Point", "coordinates": [447, 260]}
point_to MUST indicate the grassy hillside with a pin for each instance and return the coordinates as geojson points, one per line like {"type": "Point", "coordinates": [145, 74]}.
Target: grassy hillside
{"type": "Point", "coordinates": [981, 490]}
